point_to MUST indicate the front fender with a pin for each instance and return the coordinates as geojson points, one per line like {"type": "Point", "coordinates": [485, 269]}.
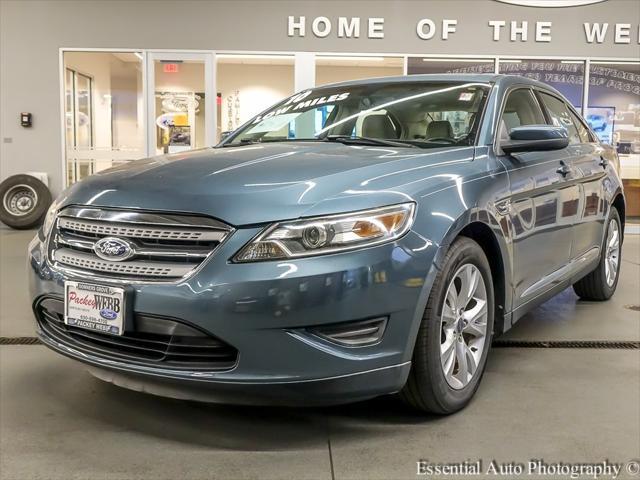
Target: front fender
{"type": "Point", "coordinates": [444, 215]}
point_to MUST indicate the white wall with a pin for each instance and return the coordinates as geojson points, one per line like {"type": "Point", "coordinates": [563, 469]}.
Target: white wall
{"type": "Point", "coordinates": [331, 74]}
{"type": "Point", "coordinates": [260, 86]}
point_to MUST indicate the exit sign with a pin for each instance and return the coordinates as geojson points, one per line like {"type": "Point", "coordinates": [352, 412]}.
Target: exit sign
{"type": "Point", "coordinates": [170, 67]}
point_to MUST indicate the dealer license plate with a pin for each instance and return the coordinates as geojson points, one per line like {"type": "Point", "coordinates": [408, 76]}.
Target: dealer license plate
{"type": "Point", "coordinates": [94, 307]}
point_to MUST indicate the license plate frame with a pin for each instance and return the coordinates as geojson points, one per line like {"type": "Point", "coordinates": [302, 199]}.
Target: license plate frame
{"type": "Point", "coordinates": [94, 307]}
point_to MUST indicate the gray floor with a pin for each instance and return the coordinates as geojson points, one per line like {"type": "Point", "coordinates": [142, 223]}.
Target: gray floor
{"type": "Point", "coordinates": [558, 404]}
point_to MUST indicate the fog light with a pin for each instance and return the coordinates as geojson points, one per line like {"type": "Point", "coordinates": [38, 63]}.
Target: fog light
{"type": "Point", "coordinates": [353, 334]}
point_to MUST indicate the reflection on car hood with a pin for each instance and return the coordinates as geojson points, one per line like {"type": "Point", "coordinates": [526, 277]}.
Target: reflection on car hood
{"type": "Point", "coordinates": [262, 183]}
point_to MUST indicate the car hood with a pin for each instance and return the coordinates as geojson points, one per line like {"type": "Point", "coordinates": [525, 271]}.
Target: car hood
{"type": "Point", "coordinates": [261, 183]}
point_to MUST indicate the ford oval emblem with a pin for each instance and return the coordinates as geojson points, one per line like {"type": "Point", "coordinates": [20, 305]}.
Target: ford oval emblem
{"type": "Point", "coordinates": [108, 314]}
{"type": "Point", "coordinates": [113, 249]}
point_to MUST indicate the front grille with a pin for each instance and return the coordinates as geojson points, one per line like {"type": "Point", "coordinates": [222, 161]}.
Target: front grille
{"type": "Point", "coordinates": [161, 233]}
{"type": "Point", "coordinates": [87, 261]}
{"type": "Point", "coordinates": [159, 246]}
{"type": "Point", "coordinates": [154, 341]}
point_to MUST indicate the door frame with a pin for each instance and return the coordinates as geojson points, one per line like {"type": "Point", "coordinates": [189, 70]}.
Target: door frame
{"type": "Point", "coordinates": [210, 119]}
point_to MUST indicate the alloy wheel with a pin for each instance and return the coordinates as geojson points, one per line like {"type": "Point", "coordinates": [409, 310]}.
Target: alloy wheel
{"type": "Point", "coordinates": [612, 252]}
{"type": "Point", "coordinates": [463, 326]}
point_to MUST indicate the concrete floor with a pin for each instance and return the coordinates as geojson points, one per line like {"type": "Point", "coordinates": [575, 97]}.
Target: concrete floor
{"type": "Point", "coordinates": [57, 422]}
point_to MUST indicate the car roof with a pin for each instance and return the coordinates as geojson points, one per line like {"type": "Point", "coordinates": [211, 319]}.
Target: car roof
{"type": "Point", "coordinates": [488, 78]}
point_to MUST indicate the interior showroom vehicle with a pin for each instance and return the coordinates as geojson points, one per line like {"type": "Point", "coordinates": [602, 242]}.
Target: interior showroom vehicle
{"type": "Point", "coordinates": [319, 240]}
{"type": "Point", "coordinates": [354, 240]}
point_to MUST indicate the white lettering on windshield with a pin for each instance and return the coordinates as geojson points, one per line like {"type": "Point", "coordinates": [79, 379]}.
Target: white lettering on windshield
{"type": "Point", "coordinates": [296, 103]}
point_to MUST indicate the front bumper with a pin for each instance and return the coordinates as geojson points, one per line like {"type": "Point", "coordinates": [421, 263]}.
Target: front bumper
{"type": "Point", "coordinates": [264, 310]}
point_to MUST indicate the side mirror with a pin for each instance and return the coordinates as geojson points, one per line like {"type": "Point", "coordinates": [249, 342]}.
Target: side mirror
{"type": "Point", "coordinates": [224, 135]}
{"type": "Point", "coordinates": [535, 138]}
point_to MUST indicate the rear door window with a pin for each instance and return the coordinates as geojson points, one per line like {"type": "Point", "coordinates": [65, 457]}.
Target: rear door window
{"type": "Point", "coordinates": [561, 116]}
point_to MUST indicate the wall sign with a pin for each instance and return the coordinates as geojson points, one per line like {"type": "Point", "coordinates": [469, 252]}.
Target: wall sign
{"type": "Point", "coordinates": [513, 30]}
{"type": "Point", "coordinates": [170, 67]}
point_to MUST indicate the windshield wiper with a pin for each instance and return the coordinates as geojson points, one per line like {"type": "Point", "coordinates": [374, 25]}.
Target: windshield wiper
{"type": "Point", "coordinates": [349, 140]}
{"type": "Point", "coordinates": [250, 141]}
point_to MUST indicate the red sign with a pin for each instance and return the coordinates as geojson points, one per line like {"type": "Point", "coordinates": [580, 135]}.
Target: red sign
{"type": "Point", "coordinates": [170, 67]}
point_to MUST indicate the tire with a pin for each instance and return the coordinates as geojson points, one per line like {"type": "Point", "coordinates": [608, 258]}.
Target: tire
{"type": "Point", "coordinates": [24, 201]}
{"type": "Point", "coordinates": [428, 388]}
{"type": "Point", "coordinates": [597, 285]}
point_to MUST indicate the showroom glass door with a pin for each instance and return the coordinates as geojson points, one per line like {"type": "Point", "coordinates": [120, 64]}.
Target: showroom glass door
{"type": "Point", "coordinates": [103, 111]}
{"type": "Point", "coordinates": [181, 101]}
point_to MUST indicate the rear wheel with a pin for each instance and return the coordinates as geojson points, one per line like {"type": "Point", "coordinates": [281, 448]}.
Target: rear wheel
{"type": "Point", "coordinates": [455, 334]}
{"type": "Point", "coordinates": [602, 282]}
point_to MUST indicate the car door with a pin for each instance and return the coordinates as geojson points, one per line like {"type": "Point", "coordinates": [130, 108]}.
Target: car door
{"type": "Point", "coordinates": [588, 165]}
{"type": "Point", "coordinates": [543, 203]}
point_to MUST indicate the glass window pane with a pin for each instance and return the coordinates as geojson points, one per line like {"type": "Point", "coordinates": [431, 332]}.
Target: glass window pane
{"type": "Point", "coordinates": [104, 111]}
{"type": "Point", "coordinates": [247, 84]}
{"type": "Point", "coordinates": [583, 132]}
{"type": "Point", "coordinates": [560, 116]}
{"type": "Point", "coordinates": [521, 108]}
{"type": "Point", "coordinates": [69, 102]}
{"type": "Point", "coordinates": [423, 65]}
{"type": "Point", "coordinates": [425, 115]}
{"type": "Point", "coordinates": [566, 76]}
{"type": "Point", "coordinates": [83, 115]}
{"type": "Point", "coordinates": [180, 105]}
{"type": "Point", "coordinates": [613, 111]}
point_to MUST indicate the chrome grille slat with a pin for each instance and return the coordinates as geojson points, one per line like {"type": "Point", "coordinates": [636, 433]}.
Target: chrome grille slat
{"type": "Point", "coordinates": [136, 231]}
{"type": "Point", "coordinates": [166, 251]}
{"type": "Point", "coordinates": [87, 261]}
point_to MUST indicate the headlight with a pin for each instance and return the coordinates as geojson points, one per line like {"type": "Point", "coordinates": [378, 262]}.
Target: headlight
{"type": "Point", "coordinates": [336, 233]}
{"type": "Point", "coordinates": [49, 218]}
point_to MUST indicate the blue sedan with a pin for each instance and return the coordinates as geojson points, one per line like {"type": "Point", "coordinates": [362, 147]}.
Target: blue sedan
{"type": "Point", "coordinates": [354, 240]}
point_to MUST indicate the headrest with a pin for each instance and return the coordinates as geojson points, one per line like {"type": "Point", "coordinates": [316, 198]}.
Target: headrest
{"type": "Point", "coordinates": [378, 126]}
{"type": "Point", "coordinates": [439, 129]}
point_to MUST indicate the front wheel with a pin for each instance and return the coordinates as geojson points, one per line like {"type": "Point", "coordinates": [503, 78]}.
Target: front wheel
{"type": "Point", "coordinates": [454, 338]}
{"type": "Point", "coordinates": [602, 282]}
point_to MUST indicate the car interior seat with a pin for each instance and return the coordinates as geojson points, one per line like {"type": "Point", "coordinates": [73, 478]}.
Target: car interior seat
{"type": "Point", "coordinates": [439, 129]}
{"type": "Point", "coordinates": [377, 124]}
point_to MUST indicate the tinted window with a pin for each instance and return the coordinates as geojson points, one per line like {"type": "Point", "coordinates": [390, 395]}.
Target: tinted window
{"type": "Point", "coordinates": [561, 116]}
{"type": "Point", "coordinates": [521, 108]}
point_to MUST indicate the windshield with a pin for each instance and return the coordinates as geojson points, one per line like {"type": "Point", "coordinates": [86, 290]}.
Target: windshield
{"type": "Point", "coordinates": [420, 114]}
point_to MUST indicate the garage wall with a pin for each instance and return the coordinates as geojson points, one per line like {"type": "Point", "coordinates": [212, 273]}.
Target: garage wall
{"type": "Point", "coordinates": [32, 32]}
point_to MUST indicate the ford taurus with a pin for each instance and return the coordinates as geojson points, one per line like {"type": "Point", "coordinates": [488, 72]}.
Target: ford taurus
{"type": "Point", "coordinates": [354, 240]}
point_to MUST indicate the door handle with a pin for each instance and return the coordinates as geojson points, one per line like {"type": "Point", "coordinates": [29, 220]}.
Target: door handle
{"type": "Point", "coordinates": [603, 162]}
{"type": "Point", "coordinates": [563, 169]}
{"type": "Point", "coordinates": [503, 207]}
